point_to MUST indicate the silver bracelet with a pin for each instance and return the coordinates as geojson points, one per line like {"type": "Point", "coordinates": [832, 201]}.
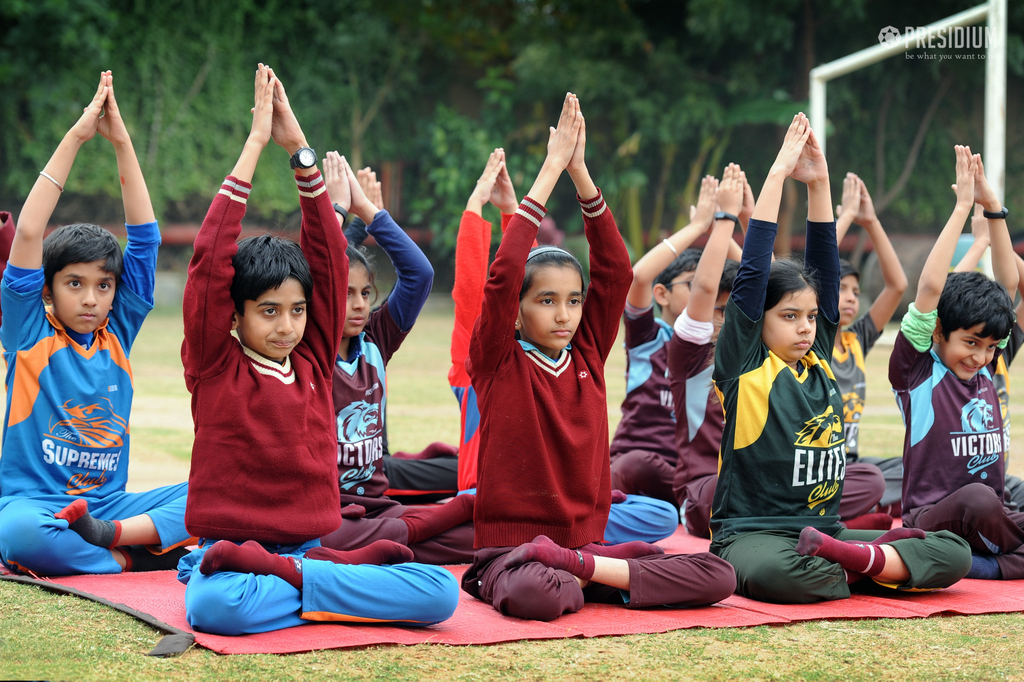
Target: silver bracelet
{"type": "Point", "coordinates": [61, 187]}
{"type": "Point", "coordinates": [663, 241]}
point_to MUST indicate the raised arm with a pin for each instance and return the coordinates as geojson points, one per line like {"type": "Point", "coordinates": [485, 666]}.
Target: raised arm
{"type": "Point", "coordinates": [610, 274]}
{"type": "Point", "coordinates": [1003, 266]}
{"type": "Point", "coordinates": [848, 210]}
{"type": "Point", "coordinates": [647, 269]}
{"type": "Point", "coordinates": [752, 277]}
{"type": "Point", "coordinates": [493, 332]}
{"type": "Point", "coordinates": [936, 267]}
{"type": "Point", "coordinates": [704, 288]}
{"type": "Point", "coordinates": [979, 230]}
{"type": "Point", "coordinates": [207, 306]}
{"type": "Point", "coordinates": [893, 276]}
{"type": "Point", "coordinates": [27, 245]}
{"type": "Point", "coordinates": [821, 251]}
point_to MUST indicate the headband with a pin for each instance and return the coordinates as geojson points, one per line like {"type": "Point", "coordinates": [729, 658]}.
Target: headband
{"type": "Point", "coordinates": [546, 249]}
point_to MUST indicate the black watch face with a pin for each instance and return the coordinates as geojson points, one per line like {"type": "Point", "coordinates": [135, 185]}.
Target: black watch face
{"type": "Point", "coordinates": [306, 157]}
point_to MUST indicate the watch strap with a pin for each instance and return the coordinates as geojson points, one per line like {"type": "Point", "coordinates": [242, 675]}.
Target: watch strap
{"type": "Point", "coordinates": [343, 212]}
{"type": "Point", "coordinates": [722, 215]}
{"type": "Point", "coordinates": [996, 215]}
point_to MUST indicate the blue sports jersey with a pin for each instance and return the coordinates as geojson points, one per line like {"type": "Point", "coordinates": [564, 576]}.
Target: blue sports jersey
{"type": "Point", "coordinates": [68, 406]}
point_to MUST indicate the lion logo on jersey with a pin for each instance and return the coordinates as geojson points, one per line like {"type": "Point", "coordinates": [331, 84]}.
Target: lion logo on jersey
{"type": "Point", "coordinates": [976, 416]}
{"type": "Point", "coordinates": [358, 421]}
{"type": "Point", "coordinates": [820, 431]}
{"type": "Point", "coordinates": [93, 425]}
{"type": "Point", "coordinates": [853, 406]}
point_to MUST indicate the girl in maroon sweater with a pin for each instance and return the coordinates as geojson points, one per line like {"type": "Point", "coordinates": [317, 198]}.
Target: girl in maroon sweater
{"type": "Point", "coordinates": [536, 361]}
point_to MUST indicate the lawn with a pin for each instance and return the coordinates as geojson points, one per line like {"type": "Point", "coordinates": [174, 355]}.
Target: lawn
{"type": "Point", "coordinates": [44, 636]}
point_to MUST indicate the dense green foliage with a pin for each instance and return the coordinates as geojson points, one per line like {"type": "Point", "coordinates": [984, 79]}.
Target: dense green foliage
{"type": "Point", "coordinates": [425, 88]}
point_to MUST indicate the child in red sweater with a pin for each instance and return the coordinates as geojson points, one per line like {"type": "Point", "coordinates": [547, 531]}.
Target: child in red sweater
{"type": "Point", "coordinates": [264, 459]}
{"type": "Point", "coordinates": [543, 472]}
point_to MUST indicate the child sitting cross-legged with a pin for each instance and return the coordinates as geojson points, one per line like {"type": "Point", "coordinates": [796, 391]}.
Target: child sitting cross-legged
{"type": "Point", "coordinates": [941, 369]}
{"type": "Point", "coordinates": [73, 305]}
{"type": "Point", "coordinates": [265, 455]}
{"type": "Point", "coordinates": [536, 360]}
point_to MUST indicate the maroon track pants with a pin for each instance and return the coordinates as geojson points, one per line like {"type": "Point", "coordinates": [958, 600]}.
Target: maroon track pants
{"type": "Point", "coordinates": [536, 592]}
{"type": "Point", "coordinates": [976, 514]}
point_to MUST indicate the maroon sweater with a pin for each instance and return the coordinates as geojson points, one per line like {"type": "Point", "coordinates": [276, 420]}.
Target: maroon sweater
{"type": "Point", "coordinates": [544, 426]}
{"type": "Point", "coordinates": [264, 460]}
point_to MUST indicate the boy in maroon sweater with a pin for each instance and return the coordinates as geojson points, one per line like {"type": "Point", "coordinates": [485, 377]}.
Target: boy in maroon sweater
{"type": "Point", "coordinates": [543, 472]}
{"type": "Point", "coordinates": [264, 458]}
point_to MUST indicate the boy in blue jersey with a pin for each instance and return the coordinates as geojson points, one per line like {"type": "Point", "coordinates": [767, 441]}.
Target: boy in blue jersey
{"type": "Point", "coordinates": [941, 369]}
{"type": "Point", "coordinates": [72, 307]}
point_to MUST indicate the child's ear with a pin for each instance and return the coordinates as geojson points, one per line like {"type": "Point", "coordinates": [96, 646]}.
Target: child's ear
{"type": "Point", "coordinates": [937, 332]}
{"type": "Point", "coordinates": [47, 295]}
{"type": "Point", "coordinates": [234, 320]}
{"type": "Point", "coordinates": [661, 294]}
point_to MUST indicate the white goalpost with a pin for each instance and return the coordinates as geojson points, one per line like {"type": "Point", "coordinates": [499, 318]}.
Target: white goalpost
{"type": "Point", "coordinates": [892, 42]}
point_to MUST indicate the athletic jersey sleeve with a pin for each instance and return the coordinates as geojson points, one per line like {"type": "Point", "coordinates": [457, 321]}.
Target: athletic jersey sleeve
{"type": "Point", "coordinates": [751, 281]}
{"type": "Point", "coordinates": [610, 276]}
{"type": "Point", "coordinates": [639, 324]}
{"type": "Point", "coordinates": [415, 275]}
{"type": "Point", "coordinates": [384, 331]}
{"type": "Point", "coordinates": [472, 249]}
{"type": "Point", "coordinates": [206, 303]}
{"type": "Point", "coordinates": [493, 332]}
{"type": "Point", "coordinates": [866, 331]}
{"type": "Point", "coordinates": [21, 297]}
{"type": "Point", "coordinates": [140, 254]}
{"type": "Point", "coordinates": [323, 243]}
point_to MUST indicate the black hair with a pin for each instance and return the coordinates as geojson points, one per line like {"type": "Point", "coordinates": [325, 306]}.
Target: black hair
{"type": "Point", "coordinates": [358, 256]}
{"type": "Point", "coordinates": [684, 262]}
{"type": "Point", "coordinates": [728, 277]}
{"type": "Point", "coordinates": [788, 276]}
{"type": "Point", "coordinates": [81, 243]}
{"type": "Point", "coordinates": [970, 299]}
{"type": "Point", "coordinates": [263, 263]}
{"type": "Point", "coordinates": [847, 268]}
{"type": "Point", "coordinates": [548, 257]}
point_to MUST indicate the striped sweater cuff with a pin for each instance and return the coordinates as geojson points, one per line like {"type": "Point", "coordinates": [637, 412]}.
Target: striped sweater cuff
{"type": "Point", "coordinates": [310, 186]}
{"type": "Point", "coordinates": [593, 207]}
{"type": "Point", "coordinates": [235, 189]}
{"type": "Point", "coordinates": [532, 211]}
{"type": "Point", "coordinates": [633, 313]}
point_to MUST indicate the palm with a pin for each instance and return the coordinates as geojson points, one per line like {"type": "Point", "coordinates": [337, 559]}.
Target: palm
{"type": "Point", "coordinates": [811, 166]}
{"type": "Point", "coordinates": [503, 194]}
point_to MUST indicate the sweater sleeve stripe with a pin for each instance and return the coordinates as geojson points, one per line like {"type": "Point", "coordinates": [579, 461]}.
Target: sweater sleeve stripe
{"type": "Point", "coordinates": [532, 211]}
{"type": "Point", "coordinates": [595, 207]}
{"type": "Point", "coordinates": [316, 187]}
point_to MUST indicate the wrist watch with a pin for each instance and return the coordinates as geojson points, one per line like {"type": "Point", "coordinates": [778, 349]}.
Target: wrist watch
{"type": "Point", "coordinates": [996, 215]}
{"type": "Point", "coordinates": [722, 215]}
{"type": "Point", "coordinates": [304, 158]}
{"type": "Point", "coordinates": [338, 209]}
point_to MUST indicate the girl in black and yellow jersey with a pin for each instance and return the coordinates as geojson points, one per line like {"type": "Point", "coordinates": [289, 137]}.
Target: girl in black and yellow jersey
{"type": "Point", "coordinates": [783, 457]}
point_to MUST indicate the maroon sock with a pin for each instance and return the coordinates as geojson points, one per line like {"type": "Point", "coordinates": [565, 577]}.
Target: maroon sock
{"type": "Point", "coordinates": [870, 522]}
{"type": "Point", "coordinates": [898, 534]}
{"type": "Point", "coordinates": [376, 553]}
{"type": "Point", "coordinates": [860, 558]}
{"type": "Point", "coordinates": [545, 551]}
{"type": "Point", "coordinates": [251, 557]}
{"type": "Point", "coordinates": [627, 550]}
{"type": "Point", "coordinates": [94, 531]}
{"type": "Point", "coordinates": [426, 522]}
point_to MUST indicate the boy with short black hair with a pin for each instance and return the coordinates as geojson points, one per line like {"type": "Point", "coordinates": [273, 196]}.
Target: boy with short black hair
{"type": "Point", "coordinates": [941, 369]}
{"type": "Point", "coordinates": [263, 477]}
{"type": "Point", "coordinates": [643, 450]}
{"type": "Point", "coordinates": [73, 307]}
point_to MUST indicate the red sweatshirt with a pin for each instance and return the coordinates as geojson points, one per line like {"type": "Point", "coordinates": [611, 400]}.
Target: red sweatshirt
{"type": "Point", "coordinates": [544, 425]}
{"type": "Point", "coordinates": [472, 252]}
{"type": "Point", "coordinates": [264, 461]}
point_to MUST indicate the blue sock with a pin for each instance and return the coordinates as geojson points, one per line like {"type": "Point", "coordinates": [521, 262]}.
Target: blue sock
{"type": "Point", "coordinates": [984, 568]}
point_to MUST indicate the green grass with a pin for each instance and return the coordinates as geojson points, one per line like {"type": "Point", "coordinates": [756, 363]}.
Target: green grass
{"type": "Point", "coordinates": [48, 636]}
